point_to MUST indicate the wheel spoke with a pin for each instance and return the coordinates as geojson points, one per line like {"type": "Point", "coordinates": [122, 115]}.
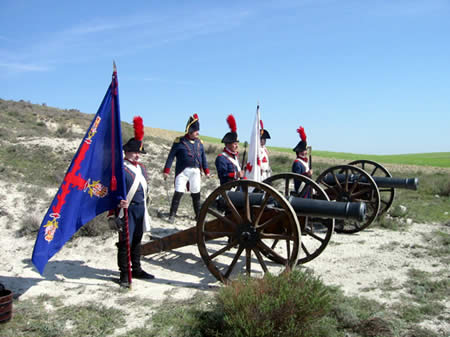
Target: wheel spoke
{"type": "Point", "coordinates": [373, 172]}
{"type": "Point", "coordinates": [234, 212]}
{"type": "Point", "coordinates": [221, 217]}
{"type": "Point", "coordinates": [386, 189]}
{"type": "Point", "coordinates": [286, 187]}
{"type": "Point", "coordinates": [261, 211]}
{"type": "Point", "coordinates": [347, 177]}
{"type": "Point", "coordinates": [274, 244]}
{"type": "Point", "coordinates": [288, 249]}
{"type": "Point", "coordinates": [224, 249]}
{"type": "Point", "coordinates": [247, 204]}
{"type": "Point", "coordinates": [361, 192]}
{"type": "Point", "coordinates": [275, 236]}
{"type": "Point", "coordinates": [233, 263]}
{"type": "Point", "coordinates": [269, 251]}
{"type": "Point", "coordinates": [271, 221]}
{"type": "Point", "coordinates": [248, 260]}
{"type": "Point", "coordinates": [315, 236]}
{"type": "Point", "coordinates": [305, 250]}
{"type": "Point", "coordinates": [260, 260]}
{"type": "Point", "coordinates": [217, 235]}
{"type": "Point", "coordinates": [338, 184]}
{"type": "Point", "coordinates": [356, 183]}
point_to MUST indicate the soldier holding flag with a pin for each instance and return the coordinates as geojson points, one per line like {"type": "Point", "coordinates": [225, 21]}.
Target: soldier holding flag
{"type": "Point", "coordinates": [138, 218]}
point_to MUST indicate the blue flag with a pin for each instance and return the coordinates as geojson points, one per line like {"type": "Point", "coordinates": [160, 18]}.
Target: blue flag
{"type": "Point", "coordinates": [93, 184]}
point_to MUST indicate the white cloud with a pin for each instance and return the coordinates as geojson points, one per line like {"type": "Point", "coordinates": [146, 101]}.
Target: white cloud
{"type": "Point", "coordinates": [22, 67]}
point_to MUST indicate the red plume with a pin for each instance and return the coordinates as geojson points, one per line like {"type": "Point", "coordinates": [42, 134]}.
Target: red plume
{"type": "Point", "coordinates": [138, 125]}
{"type": "Point", "coordinates": [195, 116]}
{"type": "Point", "coordinates": [231, 123]}
{"type": "Point", "coordinates": [301, 132]}
{"type": "Point", "coordinates": [261, 123]}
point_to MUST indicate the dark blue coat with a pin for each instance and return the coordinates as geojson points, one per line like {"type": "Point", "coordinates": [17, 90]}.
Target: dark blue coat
{"type": "Point", "coordinates": [189, 153]}
{"type": "Point", "coordinates": [226, 170]}
{"type": "Point", "coordinates": [298, 168]}
{"type": "Point", "coordinates": [139, 196]}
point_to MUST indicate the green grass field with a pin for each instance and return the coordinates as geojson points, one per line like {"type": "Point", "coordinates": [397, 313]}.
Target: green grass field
{"type": "Point", "coordinates": [435, 159]}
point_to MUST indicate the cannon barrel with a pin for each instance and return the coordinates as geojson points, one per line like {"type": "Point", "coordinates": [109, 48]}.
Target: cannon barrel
{"type": "Point", "coordinates": [405, 183]}
{"type": "Point", "coordinates": [309, 207]}
{"type": "Point", "coordinates": [329, 209]}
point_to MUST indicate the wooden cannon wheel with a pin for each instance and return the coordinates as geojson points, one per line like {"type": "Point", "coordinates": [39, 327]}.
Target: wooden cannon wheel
{"type": "Point", "coordinates": [316, 231]}
{"type": "Point", "coordinates": [387, 194]}
{"type": "Point", "coordinates": [362, 189]}
{"type": "Point", "coordinates": [230, 231]}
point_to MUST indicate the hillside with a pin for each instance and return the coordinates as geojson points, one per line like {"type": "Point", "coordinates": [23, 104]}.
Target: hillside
{"type": "Point", "coordinates": [37, 144]}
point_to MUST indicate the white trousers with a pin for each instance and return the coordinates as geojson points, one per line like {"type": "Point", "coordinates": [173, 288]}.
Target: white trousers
{"type": "Point", "coordinates": [191, 175]}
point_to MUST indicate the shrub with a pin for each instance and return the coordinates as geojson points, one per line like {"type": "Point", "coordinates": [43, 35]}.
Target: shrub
{"type": "Point", "coordinates": [287, 305]}
{"type": "Point", "coordinates": [96, 227]}
{"type": "Point", "coordinates": [29, 226]}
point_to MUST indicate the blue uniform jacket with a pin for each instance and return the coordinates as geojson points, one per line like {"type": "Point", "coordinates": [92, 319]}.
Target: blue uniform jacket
{"type": "Point", "coordinates": [298, 167]}
{"type": "Point", "coordinates": [139, 196]}
{"type": "Point", "coordinates": [226, 170]}
{"type": "Point", "coordinates": [189, 153]}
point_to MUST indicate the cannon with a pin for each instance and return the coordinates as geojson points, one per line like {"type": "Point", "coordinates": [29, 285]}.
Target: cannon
{"type": "Point", "coordinates": [247, 226]}
{"type": "Point", "coordinates": [363, 181]}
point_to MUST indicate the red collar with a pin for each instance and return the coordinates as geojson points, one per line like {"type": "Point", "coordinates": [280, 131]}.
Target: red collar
{"type": "Point", "coordinates": [305, 159]}
{"type": "Point", "coordinates": [135, 163]}
{"type": "Point", "coordinates": [234, 154]}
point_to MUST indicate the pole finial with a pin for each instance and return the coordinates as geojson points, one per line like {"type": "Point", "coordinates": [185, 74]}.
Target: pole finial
{"type": "Point", "coordinates": [114, 66]}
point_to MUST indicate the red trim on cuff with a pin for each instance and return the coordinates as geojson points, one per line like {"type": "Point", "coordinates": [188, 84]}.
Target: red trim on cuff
{"type": "Point", "coordinates": [206, 170]}
{"type": "Point", "coordinates": [166, 170]}
{"type": "Point", "coordinates": [232, 174]}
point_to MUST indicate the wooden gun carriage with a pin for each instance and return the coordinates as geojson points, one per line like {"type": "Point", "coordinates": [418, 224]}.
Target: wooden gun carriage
{"type": "Point", "coordinates": [365, 181]}
{"type": "Point", "coordinates": [251, 227]}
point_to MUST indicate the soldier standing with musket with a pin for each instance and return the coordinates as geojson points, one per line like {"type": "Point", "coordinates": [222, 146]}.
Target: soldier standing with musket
{"type": "Point", "coordinates": [227, 162]}
{"type": "Point", "coordinates": [191, 160]}
{"type": "Point", "coordinates": [136, 205]}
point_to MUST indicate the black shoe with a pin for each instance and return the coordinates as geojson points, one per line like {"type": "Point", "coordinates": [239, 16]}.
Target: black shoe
{"type": "Point", "coordinates": [123, 282]}
{"type": "Point", "coordinates": [140, 274]}
{"type": "Point", "coordinates": [171, 219]}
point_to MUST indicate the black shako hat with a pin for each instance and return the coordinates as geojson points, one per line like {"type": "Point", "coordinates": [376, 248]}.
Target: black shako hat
{"type": "Point", "coordinates": [232, 136]}
{"type": "Point", "coordinates": [301, 146]}
{"type": "Point", "coordinates": [264, 133]}
{"type": "Point", "coordinates": [192, 124]}
{"type": "Point", "coordinates": [136, 144]}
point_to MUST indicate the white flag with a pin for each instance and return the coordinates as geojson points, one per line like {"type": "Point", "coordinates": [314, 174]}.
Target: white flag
{"type": "Point", "coordinates": [253, 166]}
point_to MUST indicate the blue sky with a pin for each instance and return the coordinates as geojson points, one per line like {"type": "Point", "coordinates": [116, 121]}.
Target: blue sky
{"type": "Point", "coordinates": [361, 76]}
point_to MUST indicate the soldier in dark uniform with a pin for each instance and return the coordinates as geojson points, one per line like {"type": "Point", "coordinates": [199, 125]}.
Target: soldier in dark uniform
{"type": "Point", "coordinates": [138, 218]}
{"type": "Point", "coordinates": [301, 165]}
{"type": "Point", "coordinates": [227, 162]}
{"type": "Point", "coordinates": [191, 160]}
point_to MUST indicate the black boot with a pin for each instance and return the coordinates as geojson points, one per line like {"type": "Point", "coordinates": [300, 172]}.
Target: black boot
{"type": "Point", "coordinates": [136, 257]}
{"type": "Point", "coordinates": [124, 282]}
{"type": "Point", "coordinates": [136, 262]}
{"type": "Point", "coordinates": [122, 261]}
{"type": "Point", "coordinates": [196, 204]}
{"type": "Point", "coordinates": [174, 206]}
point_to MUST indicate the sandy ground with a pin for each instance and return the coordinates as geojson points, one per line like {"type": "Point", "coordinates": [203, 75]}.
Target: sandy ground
{"type": "Point", "coordinates": [85, 269]}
